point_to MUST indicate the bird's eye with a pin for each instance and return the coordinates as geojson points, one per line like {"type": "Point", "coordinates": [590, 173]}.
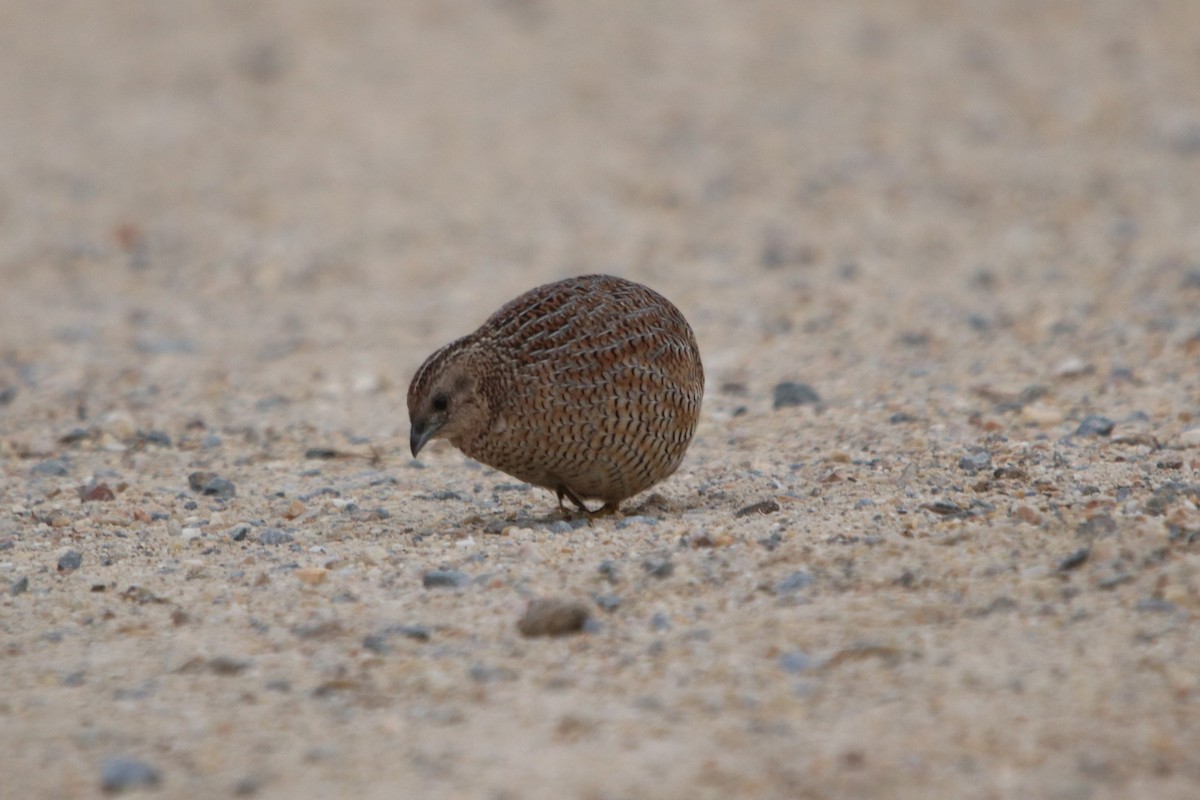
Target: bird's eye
{"type": "Point", "coordinates": [441, 402]}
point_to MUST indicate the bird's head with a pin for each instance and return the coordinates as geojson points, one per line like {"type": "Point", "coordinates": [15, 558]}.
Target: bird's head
{"type": "Point", "coordinates": [446, 398]}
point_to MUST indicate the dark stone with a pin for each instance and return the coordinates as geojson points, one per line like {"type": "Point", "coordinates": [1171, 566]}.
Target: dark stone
{"type": "Point", "coordinates": [120, 774]}
{"type": "Point", "coordinates": [56, 467]}
{"type": "Point", "coordinates": [1097, 525]}
{"type": "Point", "coordinates": [274, 536]}
{"type": "Point", "coordinates": [1095, 425]}
{"type": "Point", "coordinates": [610, 572]}
{"type": "Point", "coordinates": [445, 579]}
{"type": "Point", "coordinates": [795, 394]}
{"type": "Point", "coordinates": [209, 483]}
{"type": "Point", "coordinates": [608, 602]}
{"type": "Point", "coordinates": [227, 665]}
{"type": "Point", "coordinates": [19, 586]}
{"type": "Point", "coordinates": [1075, 560]}
{"type": "Point", "coordinates": [658, 567]}
{"type": "Point", "coordinates": [794, 662]}
{"type": "Point", "coordinates": [69, 561]}
{"type": "Point", "coordinates": [974, 462]}
{"type": "Point", "coordinates": [553, 617]}
{"type": "Point", "coordinates": [793, 583]}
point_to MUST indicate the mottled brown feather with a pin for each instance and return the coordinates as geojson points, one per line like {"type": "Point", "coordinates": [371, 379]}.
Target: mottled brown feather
{"type": "Point", "coordinates": [589, 386]}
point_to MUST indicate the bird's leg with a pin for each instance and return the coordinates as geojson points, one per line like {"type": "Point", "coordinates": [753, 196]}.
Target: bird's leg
{"type": "Point", "coordinates": [562, 490]}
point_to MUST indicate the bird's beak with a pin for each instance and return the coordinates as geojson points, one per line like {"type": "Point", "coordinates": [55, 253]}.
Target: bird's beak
{"type": "Point", "coordinates": [421, 433]}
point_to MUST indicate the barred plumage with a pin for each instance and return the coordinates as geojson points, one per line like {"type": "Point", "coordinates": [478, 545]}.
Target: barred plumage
{"type": "Point", "coordinates": [590, 387]}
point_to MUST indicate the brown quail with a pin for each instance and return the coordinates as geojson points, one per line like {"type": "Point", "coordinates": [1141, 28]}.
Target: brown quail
{"type": "Point", "coordinates": [590, 387]}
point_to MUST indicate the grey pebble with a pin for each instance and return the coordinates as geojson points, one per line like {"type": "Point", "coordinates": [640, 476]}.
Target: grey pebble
{"type": "Point", "coordinates": [209, 483]}
{"type": "Point", "coordinates": [219, 487]}
{"type": "Point", "coordinates": [793, 583]}
{"type": "Point", "coordinates": [248, 785]}
{"type": "Point", "coordinates": [609, 570]}
{"type": "Point", "coordinates": [1097, 525]}
{"type": "Point", "coordinates": [69, 561]}
{"type": "Point", "coordinates": [381, 642]}
{"type": "Point", "coordinates": [1075, 560]}
{"type": "Point", "coordinates": [660, 621]}
{"type": "Point", "coordinates": [795, 661]}
{"type": "Point", "coordinates": [19, 586]}
{"type": "Point", "coordinates": [1095, 425]}
{"type": "Point", "coordinates": [51, 466]}
{"type": "Point", "coordinates": [789, 393]}
{"type": "Point", "coordinates": [608, 602]}
{"type": "Point", "coordinates": [445, 578]}
{"type": "Point", "coordinates": [559, 526]}
{"type": "Point", "coordinates": [228, 665]}
{"type": "Point", "coordinates": [238, 532]}
{"type": "Point", "coordinates": [122, 773]}
{"type": "Point", "coordinates": [637, 519]}
{"type": "Point", "coordinates": [974, 462]}
{"type": "Point", "coordinates": [274, 536]}
{"type": "Point", "coordinates": [658, 567]}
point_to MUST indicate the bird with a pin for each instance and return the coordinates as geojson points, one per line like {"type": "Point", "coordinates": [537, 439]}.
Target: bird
{"type": "Point", "coordinates": [590, 387]}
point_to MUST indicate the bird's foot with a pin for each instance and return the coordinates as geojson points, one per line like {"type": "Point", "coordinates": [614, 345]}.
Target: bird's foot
{"type": "Point", "coordinates": [606, 510]}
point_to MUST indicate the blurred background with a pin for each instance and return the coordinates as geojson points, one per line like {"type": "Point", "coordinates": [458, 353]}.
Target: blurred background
{"type": "Point", "coordinates": [286, 205]}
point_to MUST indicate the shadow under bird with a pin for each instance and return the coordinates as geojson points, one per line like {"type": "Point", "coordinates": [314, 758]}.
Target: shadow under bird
{"type": "Point", "coordinates": [590, 387]}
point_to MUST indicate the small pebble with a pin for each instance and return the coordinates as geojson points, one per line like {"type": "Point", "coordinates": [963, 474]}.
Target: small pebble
{"type": "Point", "coordinates": [96, 493]}
{"type": "Point", "coordinates": [313, 576]}
{"type": "Point", "coordinates": [1190, 438]}
{"type": "Point", "coordinates": [660, 621]}
{"type": "Point", "coordinates": [445, 578]}
{"type": "Point", "coordinates": [19, 586]}
{"type": "Point", "coordinates": [974, 462]}
{"type": "Point", "coordinates": [1040, 414]}
{"type": "Point", "coordinates": [274, 536]}
{"type": "Point", "coordinates": [608, 602]}
{"type": "Point", "coordinates": [1072, 368]}
{"type": "Point", "coordinates": [211, 484]}
{"type": "Point", "coordinates": [69, 561]}
{"type": "Point", "coordinates": [1095, 425]}
{"type": "Point", "coordinates": [1097, 525]}
{"type": "Point", "coordinates": [1075, 560]}
{"type": "Point", "coordinates": [122, 774]}
{"type": "Point", "coordinates": [658, 567]}
{"type": "Point", "coordinates": [636, 519]}
{"type": "Point", "coordinates": [228, 665]}
{"type": "Point", "coordinates": [553, 617]}
{"type": "Point", "coordinates": [238, 532]}
{"type": "Point", "coordinates": [793, 583]}
{"type": "Point", "coordinates": [794, 394]}
{"type": "Point", "coordinates": [794, 662]}
{"type": "Point", "coordinates": [51, 466]}
{"type": "Point", "coordinates": [610, 572]}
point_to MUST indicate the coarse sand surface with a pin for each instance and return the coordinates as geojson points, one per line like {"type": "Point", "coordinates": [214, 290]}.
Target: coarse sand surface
{"type": "Point", "coordinates": [937, 536]}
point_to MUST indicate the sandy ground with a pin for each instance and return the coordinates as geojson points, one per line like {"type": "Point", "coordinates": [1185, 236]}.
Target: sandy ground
{"type": "Point", "coordinates": [230, 232]}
